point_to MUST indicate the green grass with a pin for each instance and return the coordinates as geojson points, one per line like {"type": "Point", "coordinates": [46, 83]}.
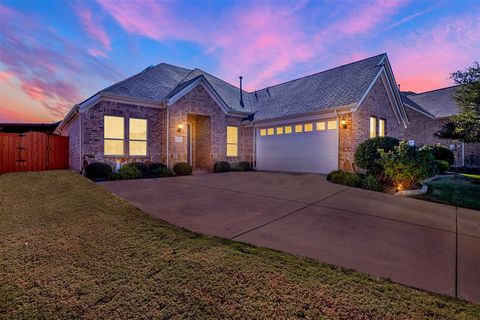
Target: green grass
{"type": "Point", "coordinates": [70, 249]}
{"type": "Point", "coordinates": [469, 175]}
{"type": "Point", "coordinates": [456, 190]}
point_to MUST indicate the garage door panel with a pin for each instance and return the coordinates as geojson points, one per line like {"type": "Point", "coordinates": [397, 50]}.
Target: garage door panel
{"type": "Point", "coordinates": [315, 151]}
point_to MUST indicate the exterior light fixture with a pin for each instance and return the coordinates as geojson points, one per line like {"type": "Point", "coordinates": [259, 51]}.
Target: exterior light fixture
{"type": "Point", "coordinates": [343, 123]}
{"type": "Point", "coordinates": [179, 127]}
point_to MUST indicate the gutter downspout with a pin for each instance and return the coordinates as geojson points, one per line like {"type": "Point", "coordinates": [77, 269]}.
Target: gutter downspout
{"type": "Point", "coordinates": [254, 155]}
{"type": "Point", "coordinates": [81, 142]}
{"type": "Point", "coordinates": [463, 154]}
{"type": "Point", "coordinates": [168, 137]}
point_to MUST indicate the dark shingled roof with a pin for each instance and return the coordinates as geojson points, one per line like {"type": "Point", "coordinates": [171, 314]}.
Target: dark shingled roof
{"type": "Point", "coordinates": [340, 86]}
{"type": "Point", "coordinates": [438, 103]}
{"type": "Point", "coordinates": [406, 100]}
{"type": "Point", "coordinates": [332, 88]}
{"type": "Point", "coordinates": [154, 83]}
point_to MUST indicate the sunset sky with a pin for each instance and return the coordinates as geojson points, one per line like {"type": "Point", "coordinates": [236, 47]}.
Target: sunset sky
{"type": "Point", "coordinates": [55, 54]}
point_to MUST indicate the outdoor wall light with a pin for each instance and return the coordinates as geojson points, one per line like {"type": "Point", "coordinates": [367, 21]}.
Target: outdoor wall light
{"type": "Point", "coordinates": [179, 127]}
{"type": "Point", "coordinates": [343, 123]}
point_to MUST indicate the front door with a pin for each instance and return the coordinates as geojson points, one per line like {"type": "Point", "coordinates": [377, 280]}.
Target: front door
{"type": "Point", "coordinates": [189, 144]}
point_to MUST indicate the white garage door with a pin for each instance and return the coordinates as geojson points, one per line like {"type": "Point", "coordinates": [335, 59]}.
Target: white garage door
{"type": "Point", "coordinates": [300, 147]}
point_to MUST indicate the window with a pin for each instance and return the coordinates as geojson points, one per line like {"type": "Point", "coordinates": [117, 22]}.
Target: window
{"type": "Point", "coordinates": [332, 124]}
{"type": "Point", "coordinates": [308, 127]}
{"type": "Point", "coordinates": [320, 126]}
{"type": "Point", "coordinates": [270, 131]}
{"type": "Point", "coordinates": [232, 141]}
{"type": "Point", "coordinates": [382, 127]}
{"type": "Point", "coordinates": [288, 129]}
{"type": "Point", "coordinates": [373, 127]}
{"type": "Point", "coordinates": [280, 130]}
{"type": "Point", "coordinates": [298, 128]}
{"type": "Point", "coordinates": [137, 144]}
{"type": "Point", "coordinates": [263, 132]}
{"type": "Point", "coordinates": [113, 134]}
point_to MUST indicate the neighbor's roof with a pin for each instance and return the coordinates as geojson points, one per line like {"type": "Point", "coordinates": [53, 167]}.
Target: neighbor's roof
{"type": "Point", "coordinates": [438, 102]}
{"type": "Point", "coordinates": [340, 86]}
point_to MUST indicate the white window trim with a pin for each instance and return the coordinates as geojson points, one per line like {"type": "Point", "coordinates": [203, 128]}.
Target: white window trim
{"type": "Point", "coordinates": [146, 138]}
{"type": "Point", "coordinates": [113, 139]}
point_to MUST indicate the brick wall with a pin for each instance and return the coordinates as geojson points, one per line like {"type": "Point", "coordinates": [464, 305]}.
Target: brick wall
{"type": "Point", "coordinates": [422, 130]}
{"type": "Point", "coordinates": [92, 121]}
{"type": "Point", "coordinates": [72, 130]}
{"type": "Point", "coordinates": [211, 130]}
{"type": "Point", "coordinates": [375, 104]}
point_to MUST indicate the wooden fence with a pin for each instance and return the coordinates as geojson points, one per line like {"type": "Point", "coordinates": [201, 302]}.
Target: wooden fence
{"type": "Point", "coordinates": [32, 151]}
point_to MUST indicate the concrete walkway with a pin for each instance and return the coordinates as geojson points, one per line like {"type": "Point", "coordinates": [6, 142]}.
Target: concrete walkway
{"type": "Point", "coordinates": [421, 244]}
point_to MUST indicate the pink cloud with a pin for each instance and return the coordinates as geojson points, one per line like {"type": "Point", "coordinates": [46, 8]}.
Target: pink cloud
{"type": "Point", "coordinates": [46, 67]}
{"type": "Point", "coordinates": [94, 28]}
{"type": "Point", "coordinates": [426, 58]}
{"type": "Point", "coordinates": [8, 115]}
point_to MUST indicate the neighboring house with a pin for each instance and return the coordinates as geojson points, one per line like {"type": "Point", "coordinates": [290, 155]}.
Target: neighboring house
{"type": "Point", "coordinates": [427, 112]}
{"type": "Point", "coordinates": [170, 114]}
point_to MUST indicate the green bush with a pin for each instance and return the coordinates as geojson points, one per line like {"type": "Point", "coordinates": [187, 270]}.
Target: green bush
{"type": "Point", "coordinates": [245, 165]}
{"type": "Point", "coordinates": [221, 166]}
{"type": "Point", "coordinates": [367, 155]}
{"type": "Point", "coordinates": [98, 171]}
{"type": "Point", "coordinates": [441, 153]}
{"type": "Point", "coordinates": [140, 166]}
{"type": "Point", "coordinates": [442, 166]}
{"type": "Point", "coordinates": [161, 172]}
{"type": "Point", "coordinates": [371, 182]}
{"type": "Point", "coordinates": [127, 172]}
{"type": "Point", "coordinates": [337, 176]}
{"type": "Point", "coordinates": [353, 179]}
{"type": "Point", "coordinates": [155, 166]}
{"type": "Point", "coordinates": [406, 165]}
{"type": "Point", "coordinates": [182, 169]}
{"type": "Point", "coordinates": [236, 167]}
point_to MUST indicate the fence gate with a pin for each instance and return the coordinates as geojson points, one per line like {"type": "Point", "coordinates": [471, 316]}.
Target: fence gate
{"type": "Point", "coordinates": [32, 151]}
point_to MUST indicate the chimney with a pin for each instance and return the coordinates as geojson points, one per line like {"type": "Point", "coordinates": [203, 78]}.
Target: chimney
{"type": "Point", "coordinates": [241, 93]}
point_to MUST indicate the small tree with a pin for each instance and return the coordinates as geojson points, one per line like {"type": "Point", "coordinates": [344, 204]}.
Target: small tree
{"type": "Point", "coordinates": [465, 126]}
{"type": "Point", "coordinates": [406, 165]}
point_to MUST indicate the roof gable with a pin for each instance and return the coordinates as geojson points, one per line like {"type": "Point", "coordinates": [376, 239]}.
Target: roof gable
{"type": "Point", "coordinates": [341, 86]}
{"type": "Point", "coordinates": [438, 103]}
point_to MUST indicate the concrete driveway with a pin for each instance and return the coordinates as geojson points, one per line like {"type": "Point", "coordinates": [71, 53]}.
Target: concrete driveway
{"type": "Point", "coordinates": [421, 244]}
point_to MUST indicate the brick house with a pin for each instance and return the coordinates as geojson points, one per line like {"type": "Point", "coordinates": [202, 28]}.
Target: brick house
{"type": "Point", "coordinates": [427, 113]}
{"type": "Point", "coordinates": [170, 114]}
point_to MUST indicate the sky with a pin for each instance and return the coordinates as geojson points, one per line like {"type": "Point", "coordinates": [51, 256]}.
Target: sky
{"type": "Point", "coordinates": [54, 54]}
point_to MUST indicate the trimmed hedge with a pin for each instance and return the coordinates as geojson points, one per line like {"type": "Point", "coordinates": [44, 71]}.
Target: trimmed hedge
{"type": "Point", "coordinates": [127, 172]}
{"type": "Point", "coordinates": [371, 183]}
{"type": "Point", "coordinates": [441, 153]}
{"type": "Point", "coordinates": [140, 166]}
{"type": "Point", "coordinates": [182, 169]}
{"type": "Point", "coordinates": [367, 155]}
{"type": "Point", "coordinates": [245, 165]}
{"type": "Point", "coordinates": [161, 172]}
{"type": "Point", "coordinates": [221, 166]}
{"type": "Point", "coordinates": [98, 171]}
{"type": "Point", "coordinates": [442, 166]}
{"type": "Point", "coordinates": [356, 180]}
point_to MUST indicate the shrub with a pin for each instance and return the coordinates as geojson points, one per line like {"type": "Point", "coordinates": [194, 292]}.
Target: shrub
{"type": "Point", "coordinates": [127, 172]}
{"type": "Point", "coordinates": [98, 171]}
{"type": "Point", "coordinates": [236, 167]}
{"type": "Point", "coordinates": [441, 153]}
{"type": "Point", "coordinates": [371, 183]}
{"type": "Point", "coordinates": [406, 166]}
{"type": "Point", "coordinates": [337, 176]}
{"type": "Point", "coordinates": [441, 166]}
{"type": "Point", "coordinates": [140, 166]}
{"type": "Point", "coordinates": [367, 155]}
{"type": "Point", "coordinates": [221, 166]}
{"type": "Point", "coordinates": [245, 165]}
{"type": "Point", "coordinates": [182, 169]}
{"type": "Point", "coordinates": [353, 179]}
{"type": "Point", "coordinates": [155, 166]}
{"type": "Point", "coordinates": [161, 172]}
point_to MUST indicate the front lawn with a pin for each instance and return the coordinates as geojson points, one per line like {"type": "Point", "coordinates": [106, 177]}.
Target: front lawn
{"type": "Point", "coordinates": [71, 249]}
{"type": "Point", "coordinates": [458, 190]}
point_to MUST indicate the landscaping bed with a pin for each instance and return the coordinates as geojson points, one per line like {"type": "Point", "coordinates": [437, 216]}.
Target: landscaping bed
{"type": "Point", "coordinates": [462, 190]}
{"type": "Point", "coordinates": [71, 249]}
